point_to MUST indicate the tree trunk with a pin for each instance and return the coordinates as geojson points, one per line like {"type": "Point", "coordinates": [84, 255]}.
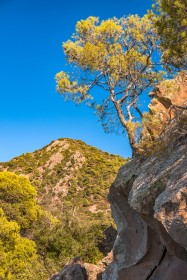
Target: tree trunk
{"type": "Point", "coordinates": [133, 144]}
{"type": "Point", "coordinates": [124, 123]}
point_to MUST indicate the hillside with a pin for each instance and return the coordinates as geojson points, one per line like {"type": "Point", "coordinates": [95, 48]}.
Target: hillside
{"type": "Point", "coordinates": [68, 175]}
{"type": "Point", "coordinates": [72, 180]}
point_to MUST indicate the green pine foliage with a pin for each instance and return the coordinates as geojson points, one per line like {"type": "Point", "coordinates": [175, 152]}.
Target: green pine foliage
{"type": "Point", "coordinates": [170, 20]}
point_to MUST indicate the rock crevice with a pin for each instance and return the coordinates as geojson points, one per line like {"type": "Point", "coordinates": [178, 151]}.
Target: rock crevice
{"type": "Point", "coordinates": [162, 258]}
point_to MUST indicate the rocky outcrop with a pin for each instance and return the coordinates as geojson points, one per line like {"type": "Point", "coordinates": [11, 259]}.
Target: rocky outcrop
{"type": "Point", "coordinates": [77, 270]}
{"type": "Point", "coordinates": [169, 93]}
{"type": "Point", "coordinates": [149, 205]}
{"type": "Point", "coordinates": [72, 271]}
{"type": "Point", "coordinates": [168, 103]}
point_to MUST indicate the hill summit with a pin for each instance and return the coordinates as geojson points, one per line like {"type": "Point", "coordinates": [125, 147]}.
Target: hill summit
{"type": "Point", "coordinates": [68, 174]}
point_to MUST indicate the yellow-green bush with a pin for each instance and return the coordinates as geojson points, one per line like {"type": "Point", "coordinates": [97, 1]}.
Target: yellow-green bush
{"type": "Point", "coordinates": [18, 254]}
{"type": "Point", "coordinates": [18, 199]}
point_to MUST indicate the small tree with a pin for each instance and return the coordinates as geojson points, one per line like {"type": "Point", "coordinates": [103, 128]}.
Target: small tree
{"type": "Point", "coordinates": [116, 56]}
{"type": "Point", "coordinates": [18, 254]}
{"type": "Point", "coordinates": [18, 200]}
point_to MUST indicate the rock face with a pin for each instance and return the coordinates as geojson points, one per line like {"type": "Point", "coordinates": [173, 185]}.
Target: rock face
{"type": "Point", "coordinates": [73, 271]}
{"type": "Point", "coordinates": [76, 270]}
{"type": "Point", "coordinates": [149, 205]}
{"type": "Point", "coordinates": [168, 103]}
{"type": "Point", "coordinates": [170, 92]}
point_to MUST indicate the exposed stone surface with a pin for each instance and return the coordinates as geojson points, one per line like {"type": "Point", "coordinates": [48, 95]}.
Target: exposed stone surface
{"type": "Point", "coordinates": [73, 271]}
{"type": "Point", "coordinates": [107, 243]}
{"type": "Point", "coordinates": [76, 270]}
{"type": "Point", "coordinates": [170, 268]}
{"type": "Point", "coordinates": [170, 92]}
{"type": "Point", "coordinates": [148, 201]}
{"type": "Point", "coordinates": [95, 271]}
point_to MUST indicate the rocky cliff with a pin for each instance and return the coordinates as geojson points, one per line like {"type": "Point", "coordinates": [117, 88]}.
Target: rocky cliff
{"type": "Point", "coordinates": [149, 205]}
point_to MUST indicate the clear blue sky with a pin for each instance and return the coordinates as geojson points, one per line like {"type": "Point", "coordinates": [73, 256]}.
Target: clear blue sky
{"type": "Point", "coordinates": [32, 114]}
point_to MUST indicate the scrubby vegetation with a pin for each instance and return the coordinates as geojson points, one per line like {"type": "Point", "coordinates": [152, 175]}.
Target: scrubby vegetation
{"type": "Point", "coordinates": [18, 200]}
{"type": "Point", "coordinates": [53, 202]}
{"type": "Point", "coordinates": [18, 254]}
{"type": "Point", "coordinates": [81, 177]}
{"type": "Point", "coordinates": [18, 214]}
{"type": "Point", "coordinates": [64, 212]}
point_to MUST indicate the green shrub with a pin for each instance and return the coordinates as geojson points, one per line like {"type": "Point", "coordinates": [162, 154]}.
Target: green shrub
{"type": "Point", "coordinates": [18, 199]}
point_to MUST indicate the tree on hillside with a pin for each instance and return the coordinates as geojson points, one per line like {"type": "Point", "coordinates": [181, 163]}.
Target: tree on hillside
{"type": "Point", "coordinates": [18, 254]}
{"type": "Point", "coordinates": [171, 22]}
{"type": "Point", "coordinates": [113, 65]}
{"type": "Point", "coordinates": [18, 199]}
